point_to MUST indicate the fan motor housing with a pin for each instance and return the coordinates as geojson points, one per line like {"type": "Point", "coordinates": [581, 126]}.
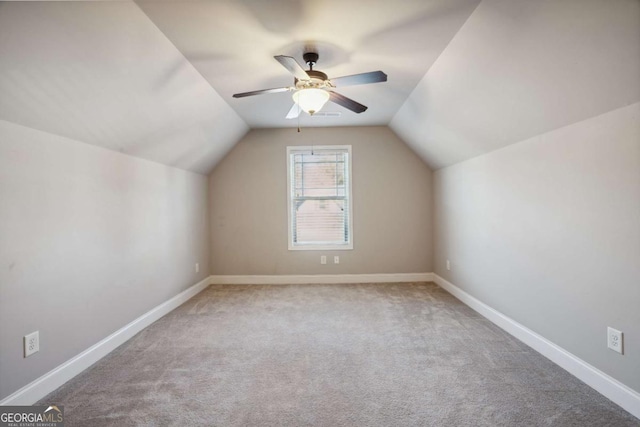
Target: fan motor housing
{"type": "Point", "coordinates": [317, 79]}
{"type": "Point", "coordinates": [318, 75]}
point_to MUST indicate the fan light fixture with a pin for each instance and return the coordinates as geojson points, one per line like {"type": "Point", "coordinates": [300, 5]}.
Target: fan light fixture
{"type": "Point", "coordinates": [311, 100]}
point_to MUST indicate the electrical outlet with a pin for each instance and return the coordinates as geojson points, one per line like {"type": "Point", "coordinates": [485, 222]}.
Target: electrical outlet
{"type": "Point", "coordinates": [448, 265]}
{"type": "Point", "coordinates": [615, 340]}
{"type": "Point", "coordinates": [336, 259]}
{"type": "Point", "coordinates": [197, 267]}
{"type": "Point", "coordinates": [323, 259]}
{"type": "Point", "coordinates": [31, 343]}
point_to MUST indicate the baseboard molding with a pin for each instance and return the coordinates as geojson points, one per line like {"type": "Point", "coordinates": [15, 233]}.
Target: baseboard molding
{"type": "Point", "coordinates": [611, 388]}
{"type": "Point", "coordinates": [39, 388]}
{"type": "Point", "coordinates": [291, 279]}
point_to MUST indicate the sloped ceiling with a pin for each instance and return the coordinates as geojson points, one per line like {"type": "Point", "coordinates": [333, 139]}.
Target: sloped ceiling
{"type": "Point", "coordinates": [155, 79]}
{"type": "Point", "coordinates": [102, 73]}
{"type": "Point", "coordinates": [520, 68]}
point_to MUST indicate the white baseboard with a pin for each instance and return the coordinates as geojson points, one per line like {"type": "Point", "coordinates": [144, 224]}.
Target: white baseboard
{"type": "Point", "coordinates": [293, 279]}
{"type": "Point", "coordinates": [39, 388]}
{"type": "Point", "coordinates": [611, 388]}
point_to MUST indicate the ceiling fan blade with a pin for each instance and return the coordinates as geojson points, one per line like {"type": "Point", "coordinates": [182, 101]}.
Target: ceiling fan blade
{"type": "Point", "coordinates": [260, 92]}
{"type": "Point", "coordinates": [347, 103]}
{"type": "Point", "coordinates": [294, 112]}
{"type": "Point", "coordinates": [293, 66]}
{"type": "Point", "coordinates": [360, 79]}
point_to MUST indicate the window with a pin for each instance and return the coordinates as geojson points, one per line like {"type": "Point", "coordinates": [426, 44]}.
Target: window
{"type": "Point", "coordinates": [319, 197]}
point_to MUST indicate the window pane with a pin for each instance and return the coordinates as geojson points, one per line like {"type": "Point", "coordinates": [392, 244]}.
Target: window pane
{"type": "Point", "coordinates": [319, 196]}
{"type": "Point", "coordinates": [319, 175]}
{"type": "Point", "coordinates": [320, 221]}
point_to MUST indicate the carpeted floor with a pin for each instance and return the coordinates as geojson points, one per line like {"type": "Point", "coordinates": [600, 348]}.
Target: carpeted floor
{"type": "Point", "coordinates": [329, 355]}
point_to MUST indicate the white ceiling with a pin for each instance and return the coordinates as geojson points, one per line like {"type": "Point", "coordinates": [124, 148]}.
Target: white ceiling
{"type": "Point", "coordinates": [155, 78]}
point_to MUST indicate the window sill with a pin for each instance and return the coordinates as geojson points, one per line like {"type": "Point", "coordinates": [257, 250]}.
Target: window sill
{"type": "Point", "coordinates": [321, 247]}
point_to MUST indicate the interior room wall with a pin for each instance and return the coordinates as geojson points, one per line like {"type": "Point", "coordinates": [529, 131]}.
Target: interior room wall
{"type": "Point", "coordinates": [391, 209]}
{"type": "Point", "coordinates": [547, 231]}
{"type": "Point", "coordinates": [90, 240]}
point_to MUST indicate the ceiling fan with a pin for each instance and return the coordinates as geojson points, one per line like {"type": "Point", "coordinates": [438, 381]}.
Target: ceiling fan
{"type": "Point", "coordinates": [312, 88]}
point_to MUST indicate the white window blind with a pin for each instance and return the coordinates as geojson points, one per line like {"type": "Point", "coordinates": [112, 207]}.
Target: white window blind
{"type": "Point", "coordinates": [319, 186]}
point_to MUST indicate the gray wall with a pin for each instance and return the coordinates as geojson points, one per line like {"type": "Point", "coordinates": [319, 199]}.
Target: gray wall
{"type": "Point", "coordinates": [90, 240]}
{"type": "Point", "coordinates": [392, 210]}
{"type": "Point", "coordinates": [547, 231]}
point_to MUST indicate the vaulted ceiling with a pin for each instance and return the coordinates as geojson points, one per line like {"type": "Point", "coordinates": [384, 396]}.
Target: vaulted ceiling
{"type": "Point", "coordinates": [520, 68]}
{"type": "Point", "coordinates": [155, 79]}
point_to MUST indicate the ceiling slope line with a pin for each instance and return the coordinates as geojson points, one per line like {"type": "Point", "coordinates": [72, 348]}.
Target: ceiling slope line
{"type": "Point", "coordinates": [116, 152]}
{"type": "Point", "coordinates": [516, 71]}
{"type": "Point", "coordinates": [190, 64]}
{"type": "Point", "coordinates": [434, 62]}
{"type": "Point", "coordinates": [236, 139]}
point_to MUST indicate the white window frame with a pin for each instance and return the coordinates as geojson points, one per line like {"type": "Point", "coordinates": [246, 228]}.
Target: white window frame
{"type": "Point", "coordinates": [310, 246]}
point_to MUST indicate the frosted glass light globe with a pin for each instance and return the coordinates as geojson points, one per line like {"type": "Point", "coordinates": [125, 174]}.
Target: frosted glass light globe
{"type": "Point", "coordinates": [311, 100]}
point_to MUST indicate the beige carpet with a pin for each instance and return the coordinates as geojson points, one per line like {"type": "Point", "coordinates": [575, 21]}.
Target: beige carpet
{"type": "Point", "coordinates": [329, 355]}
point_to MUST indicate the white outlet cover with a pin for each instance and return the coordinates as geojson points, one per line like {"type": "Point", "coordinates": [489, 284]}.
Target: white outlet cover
{"type": "Point", "coordinates": [336, 259]}
{"type": "Point", "coordinates": [197, 267]}
{"type": "Point", "coordinates": [31, 343]}
{"type": "Point", "coordinates": [323, 259]}
{"type": "Point", "coordinates": [615, 340]}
